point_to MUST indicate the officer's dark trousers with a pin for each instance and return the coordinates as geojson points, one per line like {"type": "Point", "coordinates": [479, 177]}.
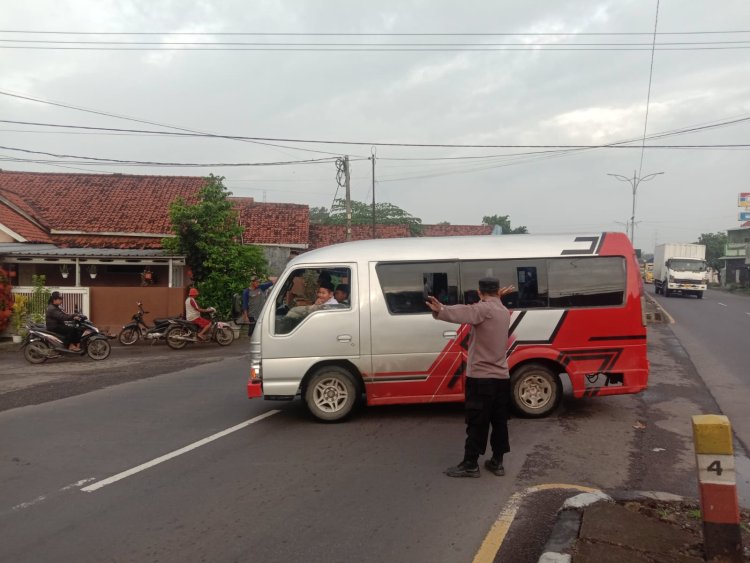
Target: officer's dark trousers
{"type": "Point", "coordinates": [486, 405]}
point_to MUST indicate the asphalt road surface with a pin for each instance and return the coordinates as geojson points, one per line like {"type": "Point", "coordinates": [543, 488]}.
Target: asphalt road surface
{"type": "Point", "coordinates": [716, 331]}
{"type": "Point", "coordinates": [180, 466]}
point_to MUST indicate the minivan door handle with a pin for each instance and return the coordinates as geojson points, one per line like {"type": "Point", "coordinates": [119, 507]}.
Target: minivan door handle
{"type": "Point", "coordinates": [344, 338]}
{"type": "Point", "coordinates": [450, 334]}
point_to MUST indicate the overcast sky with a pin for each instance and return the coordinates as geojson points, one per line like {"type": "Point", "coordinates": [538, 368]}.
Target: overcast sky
{"type": "Point", "coordinates": [549, 90]}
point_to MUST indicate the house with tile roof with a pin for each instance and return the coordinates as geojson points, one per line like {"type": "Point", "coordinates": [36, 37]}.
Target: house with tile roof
{"type": "Point", "coordinates": [99, 232]}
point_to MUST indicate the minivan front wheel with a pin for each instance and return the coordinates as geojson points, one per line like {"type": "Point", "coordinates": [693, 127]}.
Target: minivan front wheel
{"type": "Point", "coordinates": [331, 393]}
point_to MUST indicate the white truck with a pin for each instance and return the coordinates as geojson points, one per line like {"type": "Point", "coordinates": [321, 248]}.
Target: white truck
{"type": "Point", "coordinates": [680, 267]}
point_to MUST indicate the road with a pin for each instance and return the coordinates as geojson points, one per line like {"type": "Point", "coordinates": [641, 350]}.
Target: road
{"type": "Point", "coordinates": [715, 332]}
{"type": "Point", "coordinates": [285, 488]}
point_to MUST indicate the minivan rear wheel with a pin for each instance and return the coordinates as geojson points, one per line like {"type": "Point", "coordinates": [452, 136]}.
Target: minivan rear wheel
{"type": "Point", "coordinates": [331, 393]}
{"type": "Point", "coordinates": [535, 390]}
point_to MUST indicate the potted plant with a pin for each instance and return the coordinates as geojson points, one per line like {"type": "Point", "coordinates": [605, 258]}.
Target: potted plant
{"type": "Point", "coordinates": [20, 313]}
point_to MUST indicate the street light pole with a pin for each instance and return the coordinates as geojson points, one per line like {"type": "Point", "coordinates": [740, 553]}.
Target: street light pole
{"type": "Point", "coordinates": [634, 183]}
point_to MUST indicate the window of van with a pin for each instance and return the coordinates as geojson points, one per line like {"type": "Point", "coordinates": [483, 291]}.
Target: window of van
{"type": "Point", "coordinates": [528, 276]}
{"type": "Point", "coordinates": [299, 298]}
{"type": "Point", "coordinates": [406, 285]}
{"type": "Point", "coordinates": [587, 282]}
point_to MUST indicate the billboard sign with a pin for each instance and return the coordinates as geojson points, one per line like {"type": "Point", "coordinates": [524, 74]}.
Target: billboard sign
{"type": "Point", "coordinates": [744, 200]}
{"type": "Point", "coordinates": [744, 216]}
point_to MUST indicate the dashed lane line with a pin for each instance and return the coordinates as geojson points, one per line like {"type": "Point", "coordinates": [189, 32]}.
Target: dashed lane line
{"type": "Point", "coordinates": [109, 480]}
{"type": "Point", "coordinates": [722, 304]}
{"type": "Point", "coordinates": [42, 498]}
{"type": "Point", "coordinates": [495, 537]}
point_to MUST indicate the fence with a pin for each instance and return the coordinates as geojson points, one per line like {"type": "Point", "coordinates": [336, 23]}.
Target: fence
{"type": "Point", "coordinates": [73, 297]}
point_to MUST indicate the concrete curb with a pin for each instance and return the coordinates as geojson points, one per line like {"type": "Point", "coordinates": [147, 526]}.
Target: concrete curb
{"type": "Point", "coordinates": [570, 514]}
{"type": "Point", "coordinates": [662, 311]}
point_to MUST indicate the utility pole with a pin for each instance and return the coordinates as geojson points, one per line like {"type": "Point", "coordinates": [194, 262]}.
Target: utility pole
{"type": "Point", "coordinates": [348, 200]}
{"type": "Point", "coordinates": [373, 192]}
{"type": "Point", "coordinates": [634, 182]}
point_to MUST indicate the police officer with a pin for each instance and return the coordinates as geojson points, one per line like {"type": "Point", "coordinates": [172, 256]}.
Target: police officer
{"type": "Point", "coordinates": [487, 376]}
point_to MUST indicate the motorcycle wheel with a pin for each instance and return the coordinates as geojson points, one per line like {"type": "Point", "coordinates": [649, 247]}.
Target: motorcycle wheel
{"type": "Point", "coordinates": [99, 349]}
{"type": "Point", "coordinates": [173, 342]}
{"type": "Point", "coordinates": [36, 352]}
{"type": "Point", "coordinates": [224, 336]}
{"type": "Point", "coordinates": [128, 336]}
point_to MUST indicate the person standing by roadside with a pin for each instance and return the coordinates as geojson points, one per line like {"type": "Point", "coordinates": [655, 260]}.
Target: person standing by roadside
{"type": "Point", "coordinates": [487, 376]}
{"type": "Point", "coordinates": [253, 298]}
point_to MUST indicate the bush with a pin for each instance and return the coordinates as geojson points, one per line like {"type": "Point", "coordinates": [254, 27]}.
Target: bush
{"type": "Point", "coordinates": [39, 298]}
{"type": "Point", "coordinates": [20, 312]}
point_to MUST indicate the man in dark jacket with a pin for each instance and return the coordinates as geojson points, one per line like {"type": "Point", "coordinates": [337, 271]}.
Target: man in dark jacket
{"type": "Point", "coordinates": [55, 319]}
{"type": "Point", "coordinates": [487, 376]}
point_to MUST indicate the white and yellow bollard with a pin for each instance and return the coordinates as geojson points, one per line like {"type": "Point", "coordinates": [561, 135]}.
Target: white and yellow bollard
{"type": "Point", "coordinates": [714, 454]}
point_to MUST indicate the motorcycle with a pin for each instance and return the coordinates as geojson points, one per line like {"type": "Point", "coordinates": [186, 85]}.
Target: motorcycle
{"type": "Point", "coordinates": [182, 332]}
{"type": "Point", "coordinates": [138, 329]}
{"type": "Point", "coordinates": [41, 344]}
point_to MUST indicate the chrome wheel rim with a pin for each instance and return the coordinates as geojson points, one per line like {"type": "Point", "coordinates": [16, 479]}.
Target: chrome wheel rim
{"type": "Point", "coordinates": [330, 395]}
{"type": "Point", "coordinates": [535, 391]}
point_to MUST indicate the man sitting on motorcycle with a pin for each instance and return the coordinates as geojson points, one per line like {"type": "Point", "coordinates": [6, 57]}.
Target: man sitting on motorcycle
{"type": "Point", "coordinates": [55, 319]}
{"type": "Point", "coordinates": [193, 313]}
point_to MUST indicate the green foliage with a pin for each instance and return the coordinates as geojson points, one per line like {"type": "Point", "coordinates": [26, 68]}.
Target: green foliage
{"type": "Point", "coordinates": [210, 238]}
{"type": "Point", "coordinates": [20, 313]}
{"type": "Point", "coordinates": [39, 298]}
{"type": "Point", "coordinates": [318, 215]}
{"type": "Point", "coordinates": [503, 221]}
{"type": "Point", "coordinates": [715, 245]}
{"type": "Point", "coordinates": [385, 214]}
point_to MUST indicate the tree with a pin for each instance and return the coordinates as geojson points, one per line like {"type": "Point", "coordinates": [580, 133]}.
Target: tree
{"type": "Point", "coordinates": [715, 244]}
{"type": "Point", "coordinates": [318, 215]}
{"type": "Point", "coordinates": [503, 221]}
{"type": "Point", "coordinates": [385, 214]}
{"type": "Point", "coordinates": [209, 236]}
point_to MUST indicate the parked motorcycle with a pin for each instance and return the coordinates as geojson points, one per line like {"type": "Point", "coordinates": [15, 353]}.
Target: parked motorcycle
{"type": "Point", "coordinates": [182, 332]}
{"type": "Point", "coordinates": [138, 329]}
{"type": "Point", "coordinates": [41, 344]}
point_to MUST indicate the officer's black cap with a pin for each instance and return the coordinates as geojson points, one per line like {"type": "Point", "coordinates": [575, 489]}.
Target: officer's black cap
{"type": "Point", "coordinates": [489, 285]}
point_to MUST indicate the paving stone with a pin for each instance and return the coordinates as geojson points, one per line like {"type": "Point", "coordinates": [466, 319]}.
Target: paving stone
{"type": "Point", "coordinates": [617, 526]}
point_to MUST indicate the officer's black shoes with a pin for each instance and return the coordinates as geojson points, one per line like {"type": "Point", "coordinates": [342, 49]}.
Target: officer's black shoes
{"type": "Point", "coordinates": [495, 466]}
{"type": "Point", "coordinates": [463, 469]}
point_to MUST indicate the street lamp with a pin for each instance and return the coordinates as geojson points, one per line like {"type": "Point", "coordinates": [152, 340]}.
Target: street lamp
{"type": "Point", "coordinates": [634, 183]}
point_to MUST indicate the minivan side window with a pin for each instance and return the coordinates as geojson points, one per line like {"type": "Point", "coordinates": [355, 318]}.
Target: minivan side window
{"type": "Point", "coordinates": [298, 297]}
{"type": "Point", "coordinates": [406, 285]}
{"type": "Point", "coordinates": [587, 282]}
{"type": "Point", "coordinates": [528, 276]}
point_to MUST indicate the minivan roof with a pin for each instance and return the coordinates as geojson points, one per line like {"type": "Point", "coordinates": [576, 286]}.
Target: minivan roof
{"type": "Point", "coordinates": [469, 247]}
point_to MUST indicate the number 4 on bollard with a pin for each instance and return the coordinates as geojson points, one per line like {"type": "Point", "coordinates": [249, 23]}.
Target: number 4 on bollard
{"type": "Point", "coordinates": [722, 537]}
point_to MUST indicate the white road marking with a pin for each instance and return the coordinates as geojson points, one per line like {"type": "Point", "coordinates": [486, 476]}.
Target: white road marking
{"type": "Point", "coordinates": [722, 304]}
{"type": "Point", "coordinates": [166, 457]}
{"type": "Point", "coordinates": [41, 498]}
{"type": "Point", "coordinates": [78, 484]}
{"type": "Point", "coordinates": [28, 504]}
